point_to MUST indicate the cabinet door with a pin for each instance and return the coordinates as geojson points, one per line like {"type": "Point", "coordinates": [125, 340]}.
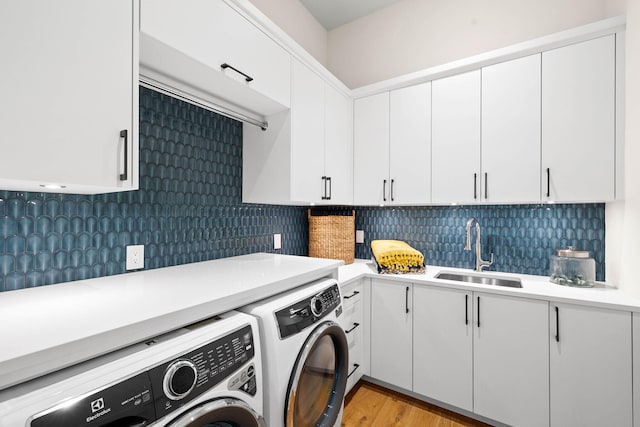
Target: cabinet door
{"type": "Point", "coordinates": [69, 88]}
{"type": "Point", "coordinates": [371, 150]}
{"type": "Point", "coordinates": [212, 33]}
{"type": "Point", "coordinates": [391, 332]}
{"type": "Point", "coordinates": [578, 121]}
{"type": "Point", "coordinates": [511, 131]}
{"type": "Point", "coordinates": [591, 375]}
{"type": "Point", "coordinates": [455, 163]}
{"type": "Point", "coordinates": [442, 345]}
{"type": "Point", "coordinates": [410, 145]}
{"type": "Point", "coordinates": [338, 143]}
{"type": "Point", "coordinates": [307, 134]}
{"type": "Point", "coordinates": [511, 360]}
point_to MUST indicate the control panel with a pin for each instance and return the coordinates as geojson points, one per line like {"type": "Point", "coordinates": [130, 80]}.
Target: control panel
{"type": "Point", "coordinates": [152, 394]}
{"type": "Point", "coordinates": [188, 376]}
{"type": "Point", "coordinates": [306, 312]}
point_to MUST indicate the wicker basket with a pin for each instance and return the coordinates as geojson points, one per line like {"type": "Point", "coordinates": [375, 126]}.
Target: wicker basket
{"type": "Point", "coordinates": [332, 236]}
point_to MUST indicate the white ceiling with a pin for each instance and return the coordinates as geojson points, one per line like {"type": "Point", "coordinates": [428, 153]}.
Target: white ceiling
{"type": "Point", "coordinates": [333, 13]}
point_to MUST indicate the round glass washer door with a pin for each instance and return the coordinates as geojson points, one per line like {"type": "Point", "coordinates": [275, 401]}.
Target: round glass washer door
{"type": "Point", "coordinates": [317, 385]}
{"type": "Point", "coordinates": [226, 412]}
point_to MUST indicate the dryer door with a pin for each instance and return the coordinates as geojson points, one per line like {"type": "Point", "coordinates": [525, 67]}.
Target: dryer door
{"type": "Point", "coordinates": [226, 412]}
{"type": "Point", "coordinates": [317, 385]}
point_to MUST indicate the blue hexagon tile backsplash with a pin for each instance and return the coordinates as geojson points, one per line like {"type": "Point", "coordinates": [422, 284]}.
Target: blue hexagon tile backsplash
{"type": "Point", "coordinates": [189, 208]}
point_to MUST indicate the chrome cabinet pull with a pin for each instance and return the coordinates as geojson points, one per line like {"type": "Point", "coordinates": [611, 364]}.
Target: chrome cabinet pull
{"type": "Point", "coordinates": [125, 134]}
{"type": "Point", "coordinates": [247, 77]}
{"type": "Point", "coordinates": [478, 312]}
{"type": "Point", "coordinates": [355, 325]}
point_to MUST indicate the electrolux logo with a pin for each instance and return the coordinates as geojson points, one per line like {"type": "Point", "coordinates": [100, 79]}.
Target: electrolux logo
{"type": "Point", "coordinates": [97, 405]}
{"type": "Point", "coordinates": [97, 409]}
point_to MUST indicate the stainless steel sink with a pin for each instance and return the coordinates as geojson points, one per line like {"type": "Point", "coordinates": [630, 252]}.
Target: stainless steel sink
{"type": "Point", "coordinates": [482, 280]}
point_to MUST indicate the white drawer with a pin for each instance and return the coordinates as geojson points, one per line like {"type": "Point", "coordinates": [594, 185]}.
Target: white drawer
{"type": "Point", "coordinates": [352, 293]}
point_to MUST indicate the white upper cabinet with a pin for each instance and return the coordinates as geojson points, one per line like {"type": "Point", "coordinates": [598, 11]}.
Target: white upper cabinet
{"type": "Point", "coordinates": [306, 154]}
{"type": "Point", "coordinates": [511, 131]}
{"type": "Point", "coordinates": [392, 147]}
{"type": "Point", "coordinates": [338, 147]}
{"type": "Point", "coordinates": [69, 109]}
{"type": "Point", "coordinates": [213, 48]}
{"type": "Point", "coordinates": [371, 150]}
{"type": "Point", "coordinates": [591, 366]}
{"type": "Point", "coordinates": [307, 134]}
{"type": "Point", "coordinates": [578, 121]}
{"type": "Point", "coordinates": [410, 145]}
{"type": "Point", "coordinates": [455, 140]}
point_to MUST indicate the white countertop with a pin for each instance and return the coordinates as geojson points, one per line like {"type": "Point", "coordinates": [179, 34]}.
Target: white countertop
{"type": "Point", "coordinates": [537, 287]}
{"type": "Point", "coordinates": [47, 328]}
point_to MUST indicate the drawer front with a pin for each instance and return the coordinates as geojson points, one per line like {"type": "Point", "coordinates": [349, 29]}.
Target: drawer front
{"type": "Point", "coordinates": [352, 293]}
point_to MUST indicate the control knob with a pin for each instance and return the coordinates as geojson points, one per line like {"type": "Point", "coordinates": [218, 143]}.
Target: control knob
{"type": "Point", "coordinates": [179, 379]}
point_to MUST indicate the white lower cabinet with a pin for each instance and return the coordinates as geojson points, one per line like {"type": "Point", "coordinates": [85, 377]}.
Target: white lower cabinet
{"type": "Point", "coordinates": [511, 359]}
{"type": "Point", "coordinates": [391, 332]}
{"type": "Point", "coordinates": [443, 345]}
{"type": "Point", "coordinates": [591, 367]}
{"type": "Point", "coordinates": [352, 321]}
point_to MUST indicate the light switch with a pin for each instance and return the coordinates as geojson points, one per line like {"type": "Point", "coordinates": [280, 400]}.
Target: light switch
{"type": "Point", "coordinates": [277, 241]}
{"type": "Point", "coordinates": [359, 236]}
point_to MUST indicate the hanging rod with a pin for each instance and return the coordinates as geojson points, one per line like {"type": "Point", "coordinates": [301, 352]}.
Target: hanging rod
{"type": "Point", "coordinates": [194, 100]}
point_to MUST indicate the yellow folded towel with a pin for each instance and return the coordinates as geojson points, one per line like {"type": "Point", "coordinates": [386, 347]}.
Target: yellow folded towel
{"type": "Point", "coordinates": [395, 256]}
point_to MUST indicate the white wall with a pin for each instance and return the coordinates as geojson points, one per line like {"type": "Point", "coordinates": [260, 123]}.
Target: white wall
{"type": "Point", "coordinates": [416, 34]}
{"type": "Point", "coordinates": [292, 17]}
{"type": "Point", "coordinates": [625, 245]}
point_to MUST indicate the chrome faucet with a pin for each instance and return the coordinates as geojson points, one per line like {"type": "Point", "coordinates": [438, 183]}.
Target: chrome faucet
{"type": "Point", "coordinates": [480, 263]}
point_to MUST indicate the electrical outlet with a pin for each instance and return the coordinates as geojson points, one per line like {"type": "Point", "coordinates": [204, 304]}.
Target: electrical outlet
{"type": "Point", "coordinates": [359, 236]}
{"type": "Point", "coordinates": [135, 257]}
{"type": "Point", "coordinates": [277, 241]}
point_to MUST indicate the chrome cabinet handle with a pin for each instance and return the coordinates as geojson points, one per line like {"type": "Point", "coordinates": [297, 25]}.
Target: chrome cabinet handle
{"type": "Point", "coordinates": [125, 134]}
{"type": "Point", "coordinates": [466, 309]}
{"type": "Point", "coordinates": [478, 312]}
{"type": "Point", "coordinates": [247, 77]}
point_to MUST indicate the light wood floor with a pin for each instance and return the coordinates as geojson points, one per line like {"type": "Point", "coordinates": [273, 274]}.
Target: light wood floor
{"type": "Point", "coordinates": [371, 405]}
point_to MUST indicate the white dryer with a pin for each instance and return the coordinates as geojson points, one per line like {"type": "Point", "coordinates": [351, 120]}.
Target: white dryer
{"type": "Point", "coordinates": [305, 355]}
{"type": "Point", "coordinates": [209, 373]}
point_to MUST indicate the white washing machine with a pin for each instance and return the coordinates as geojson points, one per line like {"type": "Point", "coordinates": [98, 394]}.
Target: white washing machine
{"type": "Point", "coordinates": [206, 374]}
{"type": "Point", "coordinates": [305, 355]}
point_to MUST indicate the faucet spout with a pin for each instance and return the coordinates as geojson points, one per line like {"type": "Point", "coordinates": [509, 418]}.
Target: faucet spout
{"type": "Point", "coordinates": [480, 263]}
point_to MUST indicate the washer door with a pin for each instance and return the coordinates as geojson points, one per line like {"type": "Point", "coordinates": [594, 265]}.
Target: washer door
{"type": "Point", "coordinates": [317, 386]}
{"type": "Point", "coordinates": [227, 412]}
